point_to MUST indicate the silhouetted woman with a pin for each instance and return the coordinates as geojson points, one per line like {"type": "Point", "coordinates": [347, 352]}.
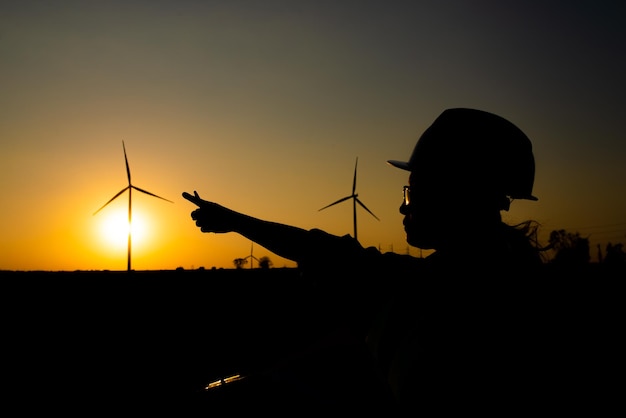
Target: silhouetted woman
{"type": "Point", "coordinates": [453, 330]}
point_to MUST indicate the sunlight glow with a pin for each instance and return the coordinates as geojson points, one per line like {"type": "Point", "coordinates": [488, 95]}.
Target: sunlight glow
{"type": "Point", "coordinates": [114, 229]}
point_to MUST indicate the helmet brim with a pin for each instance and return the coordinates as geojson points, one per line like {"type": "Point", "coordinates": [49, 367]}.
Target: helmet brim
{"type": "Point", "coordinates": [399, 164]}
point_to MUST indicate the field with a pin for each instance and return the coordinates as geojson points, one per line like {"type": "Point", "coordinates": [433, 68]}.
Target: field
{"type": "Point", "coordinates": [95, 341]}
{"type": "Point", "coordinates": [156, 336]}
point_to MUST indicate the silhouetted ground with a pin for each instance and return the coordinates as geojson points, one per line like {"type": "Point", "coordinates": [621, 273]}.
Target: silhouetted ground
{"type": "Point", "coordinates": [143, 341]}
{"type": "Point", "coordinates": [151, 338]}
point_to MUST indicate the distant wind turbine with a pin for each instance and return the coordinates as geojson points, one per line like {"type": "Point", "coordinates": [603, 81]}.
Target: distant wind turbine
{"type": "Point", "coordinates": [251, 256]}
{"type": "Point", "coordinates": [355, 200]}
{"type": "Point", "coordinates": [130, 188]}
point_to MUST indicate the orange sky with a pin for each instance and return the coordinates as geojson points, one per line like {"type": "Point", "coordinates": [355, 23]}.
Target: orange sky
{"type": "Point", "coordinates": [264, 107]}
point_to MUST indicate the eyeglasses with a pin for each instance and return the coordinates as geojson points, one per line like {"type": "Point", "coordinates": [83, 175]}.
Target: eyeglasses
{"type": "Point", "coordinates": [406, 191]}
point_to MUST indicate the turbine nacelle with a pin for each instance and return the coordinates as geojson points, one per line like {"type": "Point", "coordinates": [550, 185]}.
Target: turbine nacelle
{"type": "Point", "coordinates": [355, 199]}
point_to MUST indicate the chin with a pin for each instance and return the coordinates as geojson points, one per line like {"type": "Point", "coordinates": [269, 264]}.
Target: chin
{"type": "Point", "coordinates": [413, 242]}
{"type": "Point", "coordinates": [419, 243]}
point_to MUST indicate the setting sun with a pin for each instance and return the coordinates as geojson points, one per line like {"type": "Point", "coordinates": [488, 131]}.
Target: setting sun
{"type": "Point", "coordinates": [114, 229]}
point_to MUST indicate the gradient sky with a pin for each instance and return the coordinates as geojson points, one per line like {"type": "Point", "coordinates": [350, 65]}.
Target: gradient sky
{"type": "Point", "coordinates": [264, 106]}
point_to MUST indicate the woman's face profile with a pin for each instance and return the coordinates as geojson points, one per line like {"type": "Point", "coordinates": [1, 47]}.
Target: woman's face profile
{"type": "Point", "coordinates": [426, 208]}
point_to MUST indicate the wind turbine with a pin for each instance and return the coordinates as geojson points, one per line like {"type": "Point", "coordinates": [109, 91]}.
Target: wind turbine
{"type": "Point", "coordinates": [355, 199]}
{"type": "Point", "coordinates": [130, 188]}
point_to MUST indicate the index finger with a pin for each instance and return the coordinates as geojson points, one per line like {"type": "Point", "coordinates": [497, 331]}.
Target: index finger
{"type": "Point", "coordinates": [195, 198]}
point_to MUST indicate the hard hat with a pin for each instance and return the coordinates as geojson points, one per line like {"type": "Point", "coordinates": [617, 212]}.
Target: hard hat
{"type": "Point", "coordinates": [476, 149]}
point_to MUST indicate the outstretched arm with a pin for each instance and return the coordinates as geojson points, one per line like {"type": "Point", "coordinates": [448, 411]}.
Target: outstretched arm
{"type": "Point", "coordinates": [284, 240]}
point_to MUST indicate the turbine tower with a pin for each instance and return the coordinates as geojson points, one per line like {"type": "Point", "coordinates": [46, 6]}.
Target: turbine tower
{"type": "Point", "coordinates": [355, 199]}
{"type": "Point", "coordinates": [130, 188]}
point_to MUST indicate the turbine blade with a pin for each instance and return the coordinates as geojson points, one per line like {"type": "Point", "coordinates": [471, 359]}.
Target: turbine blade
{"type": "Point", "coordinates": [126, 159]}
{"type": "Point", "coordinates": [147, 192]}
{"type": "Point", "coordinates": [354, 181]}
{"type": "Point", "coordinates": [338, 201]}
{"type": "Point", "coordinates": [364, 207]}
{"type": "Point", "coordinates": [112, 199]}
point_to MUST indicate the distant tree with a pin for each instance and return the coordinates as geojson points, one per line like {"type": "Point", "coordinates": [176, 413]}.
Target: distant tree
{"type": "Point", "coordinates": [615, 254]}
{"type": "Point", "coordinates": [569, 248]}
{"type": "Point", "coordinates": [240, 262]}
{"type": "Point", "coordinates": [265, 263]}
